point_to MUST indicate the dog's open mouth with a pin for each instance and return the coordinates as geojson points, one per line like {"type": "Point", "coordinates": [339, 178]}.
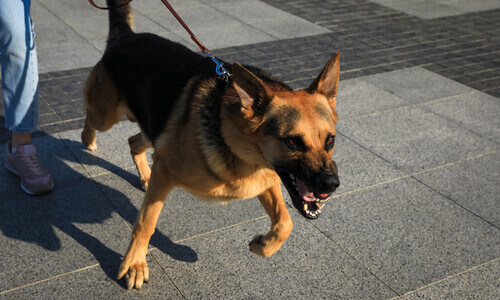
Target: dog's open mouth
{"type": "Point", "coordinates": [308, 203]}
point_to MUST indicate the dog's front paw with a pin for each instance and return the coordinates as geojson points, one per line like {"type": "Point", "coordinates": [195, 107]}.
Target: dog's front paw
{"type": "Point", "coordinates": [259, 246]}
{"type": "Point", "coordinates": [270, 243]}
{"type": "Point", "coordinates": [144, 184]}
{"type": "Point", "coordinates": [135, 269]}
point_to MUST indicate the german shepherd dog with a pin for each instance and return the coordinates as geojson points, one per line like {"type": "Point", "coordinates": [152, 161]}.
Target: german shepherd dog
{"type": "Point", "coordinates": [218, 141]}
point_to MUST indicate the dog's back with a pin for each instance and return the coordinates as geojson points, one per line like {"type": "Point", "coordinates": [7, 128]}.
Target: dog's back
{"type": "Point", "coordinates": [151, 72]}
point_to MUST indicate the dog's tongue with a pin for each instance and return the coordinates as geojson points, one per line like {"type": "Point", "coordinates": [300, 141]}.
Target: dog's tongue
{"type": "Point", "coordinates": [304, 193]}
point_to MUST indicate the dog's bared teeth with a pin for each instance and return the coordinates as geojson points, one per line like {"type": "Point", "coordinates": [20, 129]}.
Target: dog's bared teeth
{"type": "Point", "coordinates": [320, 206]}
{"type": "Point", "coordinates": [305, 207]}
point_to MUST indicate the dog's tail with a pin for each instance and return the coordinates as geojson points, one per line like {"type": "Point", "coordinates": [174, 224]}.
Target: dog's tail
{"type": "Point", "coordinates": [121, 20]}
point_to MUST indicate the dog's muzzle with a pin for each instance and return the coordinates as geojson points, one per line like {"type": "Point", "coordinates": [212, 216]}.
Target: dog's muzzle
{"type": "Point", "coordinates": [308, 198]}
{"type": "Point", "coordinates": [326, 183]}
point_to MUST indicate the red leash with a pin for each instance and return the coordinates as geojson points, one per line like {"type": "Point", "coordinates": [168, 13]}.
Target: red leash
{"type": "Point", "coordinates": [193, 37]}
{"type": "Point", "coordinates": [220, 66]}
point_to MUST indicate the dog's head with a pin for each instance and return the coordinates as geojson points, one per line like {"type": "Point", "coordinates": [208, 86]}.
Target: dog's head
{"type": "Point", "coordinates": [295, 131]}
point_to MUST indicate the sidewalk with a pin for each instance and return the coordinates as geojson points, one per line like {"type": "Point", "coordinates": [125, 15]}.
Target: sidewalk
{"type": "Point", "coordinates": [418, 150]}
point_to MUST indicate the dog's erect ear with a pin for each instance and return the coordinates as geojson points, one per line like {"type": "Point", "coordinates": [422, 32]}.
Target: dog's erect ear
{"type": "Point", "coordinates": [252, 91]}
{"type": "Point", "coordinates": [326, 83]}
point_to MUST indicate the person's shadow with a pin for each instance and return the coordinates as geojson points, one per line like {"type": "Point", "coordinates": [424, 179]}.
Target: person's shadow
{"type": "Point", "coordinates": [34, 219]}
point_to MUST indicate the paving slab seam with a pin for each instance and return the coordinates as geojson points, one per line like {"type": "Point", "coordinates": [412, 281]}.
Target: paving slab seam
{"type": "Point", "coordinates": [68, 25]}
{"type": "Point", "coordinates": [99, 187]}
{"type": "Point", "coordinates": [456, 203]}
{"type": "Point", "coordinates": [421, 105]}
{"type": "Point", "coordinates": [74, 156]}
{"type": "Point", "coordinates": [409, 105]}
{"type": "Point", "coordinates": [433, 45]}
{"type": "Point", "coordinates": [156, 22]}
{"type": "Point", "coordinates": [488, 90]}
{"type": "Point", "coordinates": [361, 19]}
{"type": "Point", "coordinates": [50, 113]}
{"type": "Point", "coordinates": [63, 121]}
{"type": "Point", "coordinates": [89, 175]}
{"type": "Point", "coordinates": [456, 122]}
{"type": "Point", "coordinates": [51, 108]}
{"type": "Point", "coordinates": [214, 231]}
{"type": "Point", "coordinates": [95, 182]}
{"type": "Point", "coordinates": [168, 276]}
{"type": "Point", "coordinates": [247, 24]}
{"type": "Point", "coordinates": [16, 192]}
{"type": "Point", "coordinates": [396, 60]}
{"type": "Point", "coordinates": [369, 150]}
{"type": "Point", "coordinates": [431, 55]}
{"type": "Point", "coordinates": [48, 76]}
{"type": "Point", "coordinates": [345, 72]}
{"type": "Point", "coordinates": [495, 79]}
{"type": "Point", "coordinates": [354, 258]}
{"type": "Point", "coordinates": [485, 71]}
{"type": "Point", "coordinates": [458, 51]}
{"type": "Point", "coordinates": [447, 278]}
{"type": "Point", "coordinates": [422, 172]}
{"type": "Point", "coordinates": [48, 279]}
{"type": "Point", "coordinates": [109, 172]}
{"type": "Point", "coordinates": [151, 250]}
{"type": "Point", "coordinates": [460, 59]}
{"type": "Point", "coordinates": [413, 174]}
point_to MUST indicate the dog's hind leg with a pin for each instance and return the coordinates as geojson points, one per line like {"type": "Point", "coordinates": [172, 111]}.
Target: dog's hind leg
{"type": "Point", "coordinates": [102, 104]}
{"type": "Point", "coordinates": [134, 266]}
{"type": "Point", "coordinates": [89, 136]}
{"type": "Point", "coordinates": [138, 146]}
{"type": "Point", "coordinates": [281, 223]}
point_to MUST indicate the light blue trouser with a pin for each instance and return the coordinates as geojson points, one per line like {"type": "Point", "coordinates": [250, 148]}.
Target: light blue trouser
{"type": "Point", "coordinates": [19, 66]}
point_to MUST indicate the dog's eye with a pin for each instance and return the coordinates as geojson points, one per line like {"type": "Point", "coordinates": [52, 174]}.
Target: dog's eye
{"type": "Point", "coordinates": [330, 141]}
{"type": "Point", "coordinates": [292, 142]}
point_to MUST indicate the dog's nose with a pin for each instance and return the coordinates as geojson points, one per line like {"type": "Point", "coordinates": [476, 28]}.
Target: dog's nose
{"type": "Point", "coordinates": [326, 183]}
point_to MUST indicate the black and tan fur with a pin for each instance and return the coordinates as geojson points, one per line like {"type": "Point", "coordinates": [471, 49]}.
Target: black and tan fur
{"type": "Point", "coordinates": [218, 142]}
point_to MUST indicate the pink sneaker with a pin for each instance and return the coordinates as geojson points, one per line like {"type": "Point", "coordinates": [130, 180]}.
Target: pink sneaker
{"type": "Point", "coordinates": [24, 163]}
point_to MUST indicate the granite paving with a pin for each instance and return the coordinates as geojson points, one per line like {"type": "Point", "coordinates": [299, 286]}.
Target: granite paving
{"type": "Point", "coordinates": [478, 283]}
{"type": "Point", "coordinates": [429, 9]}
{"type": "Point", "coordinates": [418, 151]}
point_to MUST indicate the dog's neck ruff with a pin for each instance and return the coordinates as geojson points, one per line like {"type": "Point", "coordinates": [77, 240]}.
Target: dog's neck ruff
{"type": "Point", "coordinates": [220, 158]}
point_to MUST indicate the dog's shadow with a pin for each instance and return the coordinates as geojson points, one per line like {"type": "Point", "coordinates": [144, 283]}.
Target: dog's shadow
{"type": "Point", "coordinates": [36, 219]}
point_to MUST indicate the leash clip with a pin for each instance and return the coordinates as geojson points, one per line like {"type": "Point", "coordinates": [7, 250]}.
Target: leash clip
{"type": "Point", "coordinates": [219, 69]}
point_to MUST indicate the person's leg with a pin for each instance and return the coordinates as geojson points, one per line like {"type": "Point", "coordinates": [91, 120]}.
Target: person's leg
{"type": "Point", "coordinates": [18, 60]}
{"type": "Point", "coordinates": [19, 66]}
